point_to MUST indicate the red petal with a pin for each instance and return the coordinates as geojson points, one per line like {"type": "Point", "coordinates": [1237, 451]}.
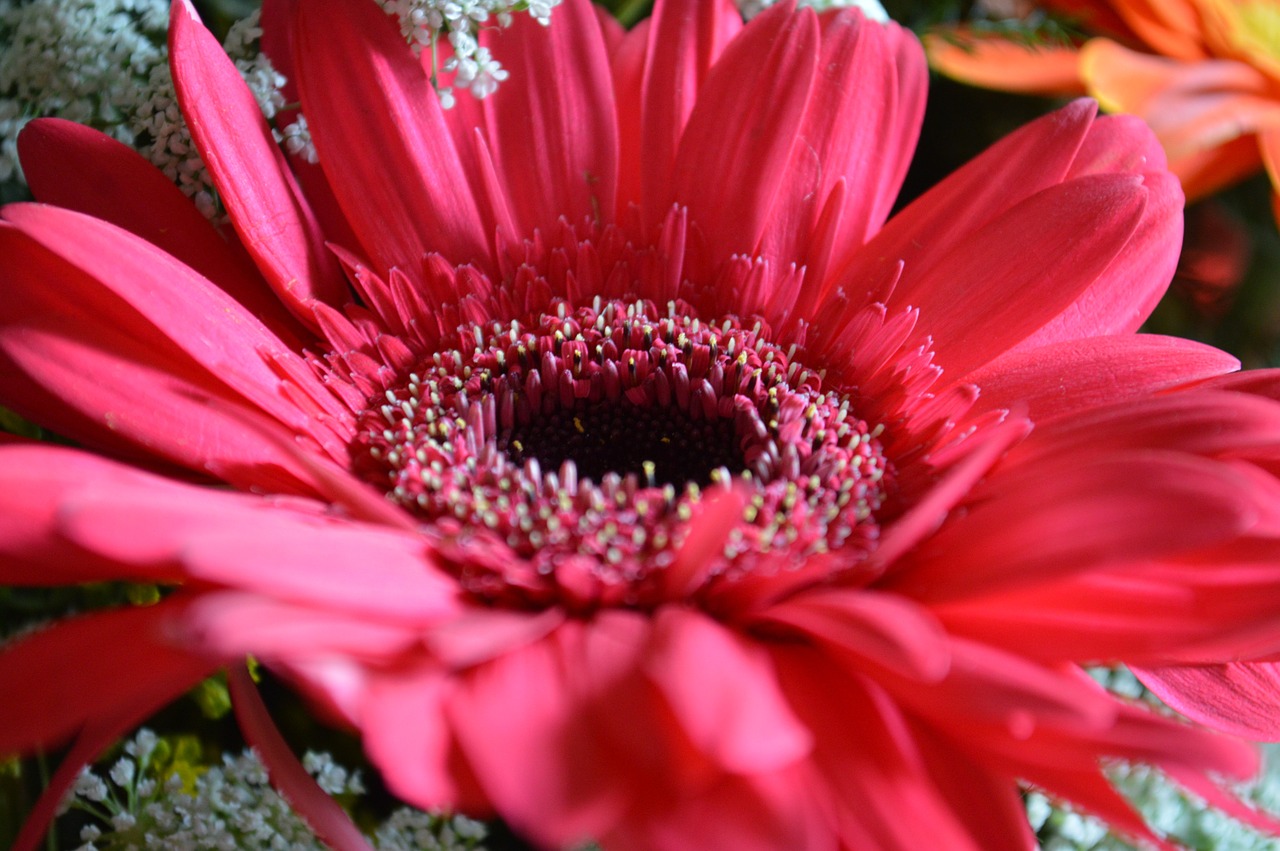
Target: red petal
{"type": "Point", "coordinates": [1020, 165]}
{"type": "Point", "coordinates": [1077, 515]}
{"type": "Point", "coordinates": [407, 737]}
{"type": "Point", "coordinates": [1241, 698]}
{"type": "Point", "coordinates": [882, 630]}
{"type": "Point", "coordinates": [685, 40]}
{"type": "Point", "coordinates": [556, 145]}
{"type": "Point", "coordinates": [124, 381]}
{"type": "Point", "coordinates": [724, 692]}
{"type": "Point", "coordinates": [100, 665]}
{"type": "Point", "coordinates": [235, 143]}
{"type": "Point", "coordinates": [77, 167]}
{"type": "Point", "coordinates": [1075, 375]}
{"type": "Point", "coordinates": [860, 125]}
{"type": "Point", "coordinates": [988, 292]}
{"type": "Point", "coordinates": [322, 813]}
{"type": "Point", "coordinates": [733, 156]}
{"type": "Point", "coordinates": [391, 161]}
{"type": "Point", "coordinates": [520, 727]}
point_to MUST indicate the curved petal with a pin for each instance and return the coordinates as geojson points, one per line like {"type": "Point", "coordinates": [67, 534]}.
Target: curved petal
{"type": "Point", "coordinates": [79, 168]}
{"type": "Point", "coordinates": [120, 325]}
{"type": "Point", "coordinates": [1240, 698]}
{"type": "Point", "coordinates": [1075, 375]}
{"type": "Point", "coordinates": [881, 789]}
{"type": "Point", "coordinates": [1025, 162]}
{"type": "Point", "coordinates": [519, 727]}
{"type": "Point", "coordinates": [555, 144]}
{"type": "Point", "coordinates": [733, 156]}
{"type": "Point", "coordinates": [393, 166]}
{"type": "Point", "coordinates": [989, 292]}
{"type": "Point", "coordinates": [683, 41]}
{"type": "Point", "coordinates": [38, 480]}
{"type": "Point", "coordinates": [724, 692]}
{"type": "Point", "coordinates": [54, 694]}
{"type": "Point", "coordinates": [998, 63]}
{"type": "Point", "coordinates": [1078, 514]}
{"type": "Point", "coordinates": [263, 200]}
{"type": "Point", "coordinates": [121, 381]}
{"type": "Point", "coordinates": [860, 127]}
{"type": "Point", "coordinates": [1123, 296]}
{"type": "Point", "coordinates": [322, 813]}
{"type": "Point", "coordinates": [407, 736]}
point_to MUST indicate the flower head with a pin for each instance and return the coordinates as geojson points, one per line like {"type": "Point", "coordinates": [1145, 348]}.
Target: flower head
{"type": "Point", "coordinates": [602, 455]}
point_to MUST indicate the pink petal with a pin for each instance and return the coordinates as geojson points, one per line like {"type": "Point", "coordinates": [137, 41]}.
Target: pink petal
{"type": "Point", "coordinates": [1124, 295]}
{"type": "Point", "coordinates": [1080, 514]}
{"type": "Point", "coordinates": [1074, 375]}
{"type": "Point", "coordinates": [38, 479]}
{"type": "Point", "coordinates": [761, 812]}
{"type": "Point", "coordinates": [393, 166]}
{"type": "Point", "coordinates": [233, 139]}
{"type": "Point", "coordinates": [77, 167]}
{"type": "Point", "coordinates": [124, 384]}
{"type": "Point", "coordinates": [860, 126]}
{"type": "Point", "coordinates": [881, 789]}
{"type": "Point", "coordinates": [923, 518]}
{"type": "Point", "coordinates": [235, 624]}
{"type": "Point", "coordinates": [1240, 698]}
{"type": "Point", "coordinates": [1025, 162]}
{"type": "Point", "coordinates": [989, 292]}
{"type": "Point", "coordinates": [285, 549]}
{"type": "Point", "coordinates": [733, 156]}
{"type": "Point", "coordinates": [684, 40]}
{"type": "Point", "coordinates": [878, 629]}
{"type": "Point", "coordinates": [520, 728]}
{"type": "Point", "coordinates": [133, 309]}
{"type": "Point", "coordinates": [480, 634]}
{"type": "Point", "coordinates": [357, 569]}
{"type": "Point", "coordinates": [322, 813]}
{"type": "Point", "coordinates": [1196, 421]}
{"type": "Point", "coordinates": [556, 146]}
{"type": "Point", "coordinates": [407, 736]}
{"type": "Point", "coordinates": [724, 692]}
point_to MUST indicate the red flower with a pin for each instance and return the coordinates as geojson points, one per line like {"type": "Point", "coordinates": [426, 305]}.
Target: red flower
{"type": "Point", "coordinates": [648, 488]}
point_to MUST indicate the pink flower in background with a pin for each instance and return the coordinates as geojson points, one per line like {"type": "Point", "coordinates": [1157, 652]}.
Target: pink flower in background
{"type": "Point", "coordinates": [599, 453]}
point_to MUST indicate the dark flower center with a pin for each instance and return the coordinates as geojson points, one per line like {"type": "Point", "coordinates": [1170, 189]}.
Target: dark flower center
{"type": "Point", "coordinates": [660, 445]}
{"type": "Point", "coordinates": [582, 440]}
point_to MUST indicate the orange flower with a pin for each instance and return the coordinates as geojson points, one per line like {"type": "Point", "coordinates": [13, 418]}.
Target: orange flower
{"type": "Point", "coordinates": [1205, 74]}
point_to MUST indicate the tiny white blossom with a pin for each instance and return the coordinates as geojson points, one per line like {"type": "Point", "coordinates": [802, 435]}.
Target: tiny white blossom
{"type": "Point", "coordinates": [870, 8]}
{"type": "Point", "coordinates": [296, 138]}
{"type": "Point", "coordinates": [90, 786]}
{"type": "Point", "coordinates": [424, 23]}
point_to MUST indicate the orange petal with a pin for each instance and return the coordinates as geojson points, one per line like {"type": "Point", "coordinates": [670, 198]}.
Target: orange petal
{"type": "Point", "coordinates": [997, 63]}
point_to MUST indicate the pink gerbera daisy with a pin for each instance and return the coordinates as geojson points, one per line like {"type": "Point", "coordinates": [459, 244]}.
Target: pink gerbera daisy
{"type": "Point", "coordinates": [600, 455]}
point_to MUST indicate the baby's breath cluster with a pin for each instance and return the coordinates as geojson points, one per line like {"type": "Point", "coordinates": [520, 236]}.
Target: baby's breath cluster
{"type": "Point", "coordinates": [104, 63]}
{"type": "Point", "coordinates": [425, 23]}
{"type": "Point", "coordinates": [871, 8]}
{"type": "Point", "coordinates": [158, 795]}
{"type": "Point", "coordinates": [84, 60]}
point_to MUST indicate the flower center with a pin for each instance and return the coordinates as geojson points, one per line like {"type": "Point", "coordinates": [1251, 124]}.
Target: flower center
{"type": "Point", "coordinates": [563, 455]}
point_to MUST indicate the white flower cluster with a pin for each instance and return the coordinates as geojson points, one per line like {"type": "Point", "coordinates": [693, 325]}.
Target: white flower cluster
{"type": "Point", "coordinates": [425, 22]}
{"type": "Point", "coordinates": [104, 63]}
{"type": "Point", "coordinates": [143, 803]}
{"type": "Point", "coordinates": [83, 60]}
{"type": "Point", "coordinates": [871, 8]}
